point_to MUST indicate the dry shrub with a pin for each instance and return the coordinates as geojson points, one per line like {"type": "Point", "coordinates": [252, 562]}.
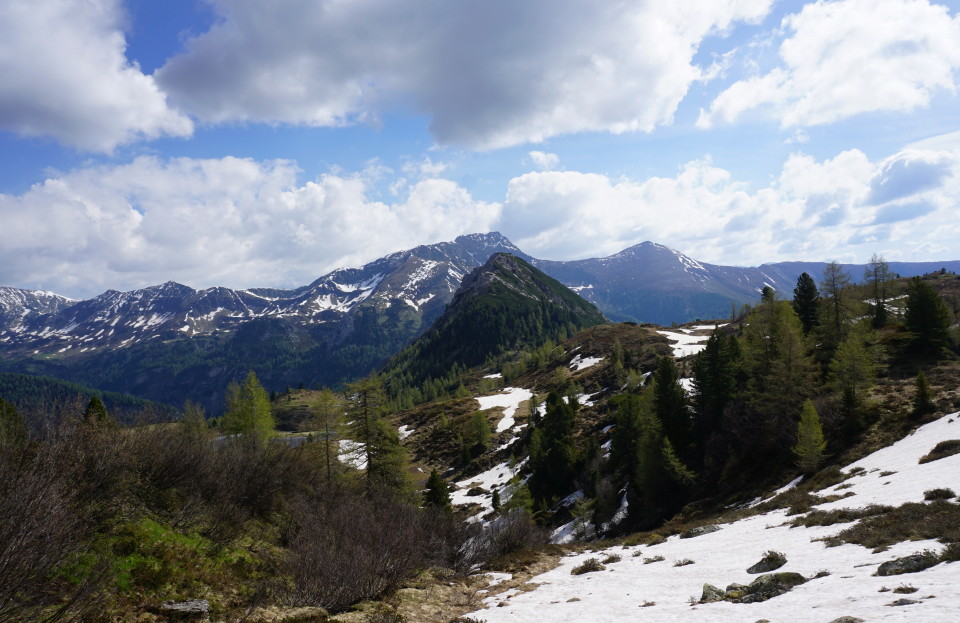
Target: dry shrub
{"type": "Point", "coordinates": [840, 515]}
{"type": "Point", "coordinates": [351, 548]}
{"type": "Point", "coordinates": [911, 522]}
{"type": "Point", "coordinates": [942, 450]}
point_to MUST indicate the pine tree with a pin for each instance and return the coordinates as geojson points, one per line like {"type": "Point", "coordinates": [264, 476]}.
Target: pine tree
{"type": "Point", "coordinates": [248, 410]}
{"type": "Point", "coordinates": [13, 431]}
{"type": "Point", "coordinates": [806, 302]}
{"type": "Point", "coordinates": [552, 453]}
{"type": "Point", "coordinates": [923, 400]}
{"type": "Point", "coordinates": [437, 494]}
{"type": "Point", "coordinates": [927, 317]}
{"type": "Point", "coordinates": [810, 442]}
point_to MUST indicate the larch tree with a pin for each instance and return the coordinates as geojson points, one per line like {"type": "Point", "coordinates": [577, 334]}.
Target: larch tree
{"type": "Point", "coordinates": [810, 443]}
{"type": "Point", "coordinates": [852, 372]}
{"type": "Point", "coordinates": [248, 410]}
{"type": "Point", "coordinates": [328, 411]}
{"type": "Point", "coordinates": [386, 459]}
{"type": "Point", "coordinates": [836, 306]}
{"type": "Point", "coordinates": [879, 283]}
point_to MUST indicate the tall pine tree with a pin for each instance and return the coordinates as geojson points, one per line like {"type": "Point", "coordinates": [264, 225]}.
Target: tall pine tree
{"type": "Point", "coordinates": [927, 317]}
{"type": "Point", "coordinates": [806, 302]}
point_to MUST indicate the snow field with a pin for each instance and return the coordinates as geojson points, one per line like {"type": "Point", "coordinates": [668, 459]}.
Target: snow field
{"type": "Point", "coordinates": [582, 363]}
{"type": "Point", "coordinates": [626, 588]}
{"type": "Point", "coordinates": [496, 477]}
{"type": "Point", "coordinates": [686, 344]}
{"type": "Point", "coordinates": [509, 400]}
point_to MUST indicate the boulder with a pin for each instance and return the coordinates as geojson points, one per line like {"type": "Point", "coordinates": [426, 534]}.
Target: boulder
{"type": "Point", "coordinates": [699, 531]}
{"type": "Point", "coordinates": [847, 620]}
{"type": "Point", "coordinates": [711, 593]}
{"type": "Point", "coordinates": [770, 585]}
{"type": "Point", "coordinates": [189, 610]}
{"type": "Point", "coordinates": [771, 561]}
{"type": "Point", "coordinates": [908, 564]}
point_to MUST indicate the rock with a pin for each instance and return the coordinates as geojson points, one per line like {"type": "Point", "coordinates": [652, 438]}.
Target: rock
{"type": "Point", "coordinates": [903, 602]}
{"type": "Point", "coordinates": [711, 593]}
{"type": "Point", "coordinates": [735, 591]}
{"type": "Point", "coordinates": [699, 531]}
{"type": "Point", "coordinates": [768, 586]}
{"type": "Point", "coordinates": [908, 564]}
{"type": "Point", "coordinates": [189, 610]}
{"type": "Point", "coordinates": [771, 561]}
{"type": "Point", "coordinates": [847, 620]}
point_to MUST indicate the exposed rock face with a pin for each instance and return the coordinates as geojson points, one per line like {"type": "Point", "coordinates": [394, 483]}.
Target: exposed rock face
{"type": "Point", "coordinates": [908, 564]}
{"type": "Point", "coordinates": [763, 588]}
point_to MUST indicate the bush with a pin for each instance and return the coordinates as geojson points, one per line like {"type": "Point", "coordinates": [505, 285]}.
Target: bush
{"type": "Point", "coordinates": [914, 521]}
{"type": "Point", "coordinates": [588, 566]}
{"type": "Point", "coordinates": [942, 450]}
{"type": "Point", "coordinates": [350, 548]}
{"type": "Point", "coordinates": [938, 494]}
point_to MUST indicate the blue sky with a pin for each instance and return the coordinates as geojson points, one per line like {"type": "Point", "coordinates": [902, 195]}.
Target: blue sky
{"type": "Point", "coordinates": [249, 143]}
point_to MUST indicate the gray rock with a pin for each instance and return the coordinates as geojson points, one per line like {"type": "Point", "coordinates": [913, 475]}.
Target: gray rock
{"type": "Point", "coordinates": [189, 610]}
{"type": "Point", "coordinates": [847, 620]}
{"type": "Point", "coordinates": [768, 586]}
{"type": "Point", "coordinates": [908, 564]}
{"type": "Point", "coordinates": [771, 561]}
{"type": "Point", "coordinates": [903, 602]}
{"type": "Point", "coordinates": [711, 593]}
{"type": "Point", "coordinates": [699, 531]}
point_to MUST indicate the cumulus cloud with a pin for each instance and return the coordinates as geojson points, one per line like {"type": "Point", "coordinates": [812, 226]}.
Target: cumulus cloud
{"type": "Point", "coordinates": [228, 221]}
{"type": "Point", "coordinates": [849, 57]}
{"type": "Point", "coordinates": [65, 75]}
{"type": "Point", "coordinates": [243, 223]}
{"type": "Point", "coordinates": [544, 161]}
{"type": "Point", "coordinates": [488, 74]}
{"type": "Point", "coordinates": [814, 210]}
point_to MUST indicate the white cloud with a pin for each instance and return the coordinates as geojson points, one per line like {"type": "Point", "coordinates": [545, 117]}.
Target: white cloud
{"type": "Point", "coordinates": [227, 221]}
{"type": "Point", "coordinates": [488, 74]}
{"type": "Point", "coordinates": [849, 57]}
{"type": "Point", "coordinates": [846, 207]}
{"type": "Point", "coordinates": [544, 161]}
{"type": "Point", "coordinates": [242, 223]}
{"type": "Point", "coordinates": [64, 74]}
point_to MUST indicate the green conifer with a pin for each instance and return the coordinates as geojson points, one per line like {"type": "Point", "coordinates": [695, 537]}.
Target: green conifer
{"type": "Point", "coordinates": [810, 442]}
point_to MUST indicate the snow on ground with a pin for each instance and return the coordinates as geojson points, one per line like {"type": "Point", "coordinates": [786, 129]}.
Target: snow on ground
{"type": "Point", "coordinates": [665, 592]}
{"type": "Point", "coordinates": [686, 344]}
{"type": "Point", "coordinates": [405, 431]}
{"type": "Point", "coordinates": [686, 384]}
{"type": "Point", "coordinates": [496, 477]}
{"type": "Point", "coordinates": [353, 453]}
{"type": "Point", "coordinates": [581, 363]}
{"type": "Point", "coordinates": [509, 399]}
{"type": "Point", "coordinates": [495, 375]}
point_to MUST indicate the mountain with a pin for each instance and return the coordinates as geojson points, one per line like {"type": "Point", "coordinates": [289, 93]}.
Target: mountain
{"type": "Point", "coordinates": [170, 342]}
{"type": "Point", "coordinates": [650, 282]}
{"type": "Point", "coordinates": [503, 305]}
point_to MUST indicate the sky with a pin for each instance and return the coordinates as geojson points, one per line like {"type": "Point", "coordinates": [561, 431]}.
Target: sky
{"type": "Point", "coordinates": [246, 143]}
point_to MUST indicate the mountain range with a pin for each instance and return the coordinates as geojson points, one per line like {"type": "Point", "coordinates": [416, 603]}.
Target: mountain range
{"type": "Point", "coordinates": [174, 342]}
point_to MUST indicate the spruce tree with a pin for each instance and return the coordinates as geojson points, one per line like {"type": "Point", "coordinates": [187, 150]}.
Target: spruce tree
{"type": "Point", "coordinates": [806, 301]}
{"type": "Point", "coordinates": [923, 399]}
{"type": "Point", "coordinates": [96, 414]}
{"type": "Point", "coordinates": [716, 372]}
{"type": "Point", "coordinates": [810, 442]}
{"type": "Point", "coordinates": [248, 410]}
{"type": "Point", "coordinates": [852, 372]}
{"type": "Point", "coordinates": [437, 494]}
{"type": "Point", "coordinates": [552, 453]}
{"type": "Point", "coordinates": [927, 317]}
{"type": "Point", "coordinates": [670, 405]}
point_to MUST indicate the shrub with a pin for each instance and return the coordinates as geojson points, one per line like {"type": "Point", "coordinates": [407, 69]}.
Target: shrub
{"type": "Point", "coordinates": [653, 559]}
{"type": "Point", "coordinates": [840, 515]}
{"type": "Point", "coordinates": [942, 450]}
{"type": "Point", "coordinates": [913, 521]}
{"type": "Point", "coordinates": [938, 494]}
{"type": "Point", "coordinates": [587, 566]}
{"type": "Point", "coordinates": [683, 562]}
{"type": "Point", "coordinates": [611, 558]}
